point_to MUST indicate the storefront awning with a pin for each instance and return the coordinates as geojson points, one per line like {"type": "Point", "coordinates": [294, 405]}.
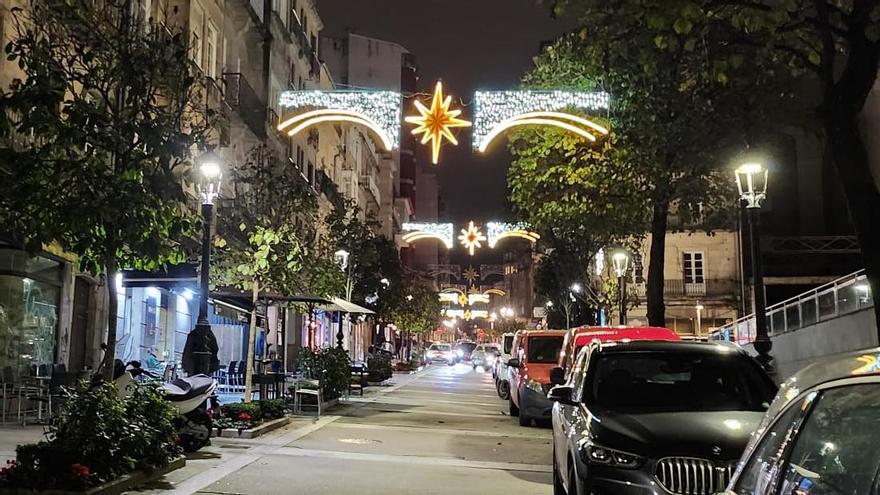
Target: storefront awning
{"type": "Point", "coordinates": [345, 306]}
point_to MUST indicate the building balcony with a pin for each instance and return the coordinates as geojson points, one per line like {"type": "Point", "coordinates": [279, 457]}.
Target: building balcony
{"type": "Point", "coordinates": [369, 183]}
{"type": "Point", "coordinates": [674, 288]}
{"type": "Point", "coordinates": [241, 97]}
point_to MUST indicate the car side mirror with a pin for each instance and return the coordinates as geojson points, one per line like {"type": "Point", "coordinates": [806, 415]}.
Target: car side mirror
{"type": "Point", "coordinates": [514, 363]}
{"type": "Point", "coordinates": [560, 394]}
{"type": "Point", "coordinates": [557, 376]}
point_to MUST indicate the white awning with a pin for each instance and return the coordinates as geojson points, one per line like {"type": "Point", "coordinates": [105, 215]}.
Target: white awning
{"type": "Point", "coordinates": [344, 306]}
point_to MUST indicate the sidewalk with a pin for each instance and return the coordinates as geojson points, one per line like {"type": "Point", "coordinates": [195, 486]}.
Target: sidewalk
{"type": "Point", "coordinates": [13, 435]}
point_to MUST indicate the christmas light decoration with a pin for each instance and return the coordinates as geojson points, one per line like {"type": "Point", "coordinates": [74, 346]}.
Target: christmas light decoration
{"type": "Point", "coordinates": [477, 298]}
{"type": "Point", "coordinates": [495, 292]}
{"type": "Point", "coordinates": [379, 111]}
{"type": "Point", "coordinates": [500, 230]}
{"type": "Point", "coordinates": [497, 111]}
{"type": "Point", "coordinates": [437, 122]}
{"type": "Point", "coordinates": [471, 238]}
{"type": "Point", "coordinates": [452, 289]}
{"type": "Point", "coordinates": [470, 275]}
{"type": "Point", "coordinates": [448, 297]}
{"type": "Point", "coordinates": [419, 231]}
{"type": "Point", "coordinates": [479, 313]}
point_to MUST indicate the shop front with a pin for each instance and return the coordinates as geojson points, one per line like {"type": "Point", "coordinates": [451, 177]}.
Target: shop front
{"type": "Point", "coordinates": [31, 294]}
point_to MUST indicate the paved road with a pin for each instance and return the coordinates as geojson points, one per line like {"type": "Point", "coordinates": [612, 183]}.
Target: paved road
{"type": "Point", "coordinates": [440, 431]}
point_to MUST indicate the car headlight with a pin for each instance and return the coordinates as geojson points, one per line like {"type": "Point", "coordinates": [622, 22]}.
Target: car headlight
{"type": "Point", "coordinates": [597, 454]}
{"type": "Point", "coordinates": [459, 353]}
{"type": "Point", "coordinates": [537, 387]}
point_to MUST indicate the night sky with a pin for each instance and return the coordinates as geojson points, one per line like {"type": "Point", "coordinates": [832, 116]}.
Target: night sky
{"type": "Point", "coordinates": [470, 45]}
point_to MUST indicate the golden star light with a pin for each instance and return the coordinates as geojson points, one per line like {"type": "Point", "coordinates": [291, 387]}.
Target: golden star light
{"type": "Point", "coordinates": [471, 238]}
{"type": "Point", "coordinates": [435, 123]}
{"type": "Point", "coordinates": [470, 274]}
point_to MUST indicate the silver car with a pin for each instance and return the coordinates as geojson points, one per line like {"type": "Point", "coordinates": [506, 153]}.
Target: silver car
{"type": "Point", "coordinates": [484, 356]}
{"type": "Point", "coordinates": [821, 433]}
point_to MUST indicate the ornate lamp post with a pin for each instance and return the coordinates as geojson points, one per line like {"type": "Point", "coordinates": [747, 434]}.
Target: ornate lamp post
{"type": "Point", "coordinates": [205, 344]}
{"type": "Point", "coordinates": [341, 257]}
{"type": "Point", "coordinates": [751, 180]}
{"type": "Point", "coordinates": [620, 263]}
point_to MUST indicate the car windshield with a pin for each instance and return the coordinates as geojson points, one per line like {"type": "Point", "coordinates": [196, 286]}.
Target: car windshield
{"type": "Point", "coordinates": [508, 344]}
{"type": "Point", "coordinates": [544, 349]}
{"type": "Point", "coordinates": [440, 347]}
{"type": "Point", "coordinates": [676, 382]}
{"type": "Point", "coordinates": [467, 346]}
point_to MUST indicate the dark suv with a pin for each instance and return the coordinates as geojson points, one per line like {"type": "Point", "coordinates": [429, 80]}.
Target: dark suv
{"type": "Point", "coordinates": [650, 417]}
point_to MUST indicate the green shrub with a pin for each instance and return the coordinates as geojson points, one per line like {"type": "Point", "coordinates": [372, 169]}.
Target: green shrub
{"type": "Point", "coordinates": [379, 367]}
{"type": "Point", "coordinates": [332, 365]}
{"type": "Point", "coordinates": [96, 436]}
{"type": "Point", "coordinates": [272, 409]}
{"type": "Point", "coordinates": [242, 411]}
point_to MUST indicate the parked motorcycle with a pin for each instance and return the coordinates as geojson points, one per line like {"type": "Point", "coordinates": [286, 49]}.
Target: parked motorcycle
{"type": "Point", "coordinates": [193, 397]}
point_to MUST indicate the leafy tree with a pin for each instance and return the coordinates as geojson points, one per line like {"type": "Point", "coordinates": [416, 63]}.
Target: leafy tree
{"type": "Point", "coordinates": [259, 241]}
{"type": "Point", "coordinates": [670, 147]}
{"type": "Point", "coordinates": [100, 132]}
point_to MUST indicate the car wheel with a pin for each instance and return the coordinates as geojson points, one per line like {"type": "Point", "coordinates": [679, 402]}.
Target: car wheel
{"type": "Point", "coordinates": [514, 411]}
{"type": "Point", "coordinates": [525, 420]}
{"type": "Point", "coordinates": [558, 489]}
{"type": "Point", "coordinates": [503, 389]}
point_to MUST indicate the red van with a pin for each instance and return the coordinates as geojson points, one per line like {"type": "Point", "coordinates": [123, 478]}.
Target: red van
{"type": "Point", "coordinates": [534, 354]}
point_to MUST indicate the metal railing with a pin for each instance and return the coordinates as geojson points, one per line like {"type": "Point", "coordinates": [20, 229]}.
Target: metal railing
{"type": "Point", "coordinates": [679, 287]}
{"type": "Point", "coordinates": [840, 297]}
{"type": "Point", "coordinates": [242, 98]}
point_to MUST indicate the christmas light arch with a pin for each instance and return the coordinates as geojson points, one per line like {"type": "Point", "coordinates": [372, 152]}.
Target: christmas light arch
{"type": "Point", "coordinates": [419, 231]}
{"type": "Point", "coordinates": [378, 111]}
{"type": "Point", "coordinates": [501, 230]}
{"type": "Point", "coordinates": [498, 111]}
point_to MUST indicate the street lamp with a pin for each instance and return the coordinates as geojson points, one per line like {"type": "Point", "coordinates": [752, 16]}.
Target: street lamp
{"type": "Point", "coordinates": [341, 257]}
{"type": "Point", "coordinates": [203, 341]}
{"type": "Point", "coordinates": [620, 263]}
{"type": "Point", "coordinates": [751, 180]}
{"type": "Point", "coordinates": [700, 309]}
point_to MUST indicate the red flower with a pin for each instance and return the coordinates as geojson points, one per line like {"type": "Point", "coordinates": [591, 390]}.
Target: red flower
{"type": "Point", "coordinates": [6, 472]}
{"type": "Point", "coordinates": [79, 471]}
{"type": "Point", "coordinates": [244, 416]}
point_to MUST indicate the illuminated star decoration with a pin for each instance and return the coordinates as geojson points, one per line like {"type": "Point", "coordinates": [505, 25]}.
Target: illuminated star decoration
{"type": "Point", "coordinates": [435, 123]}
{"type": "Point", "coordinates": [471, 238]}
{"type": "Point", "coordinates": [470, 274]}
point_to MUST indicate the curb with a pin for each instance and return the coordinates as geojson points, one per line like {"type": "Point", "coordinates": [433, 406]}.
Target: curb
{"type": "Point", "coordinates": [253, 432]}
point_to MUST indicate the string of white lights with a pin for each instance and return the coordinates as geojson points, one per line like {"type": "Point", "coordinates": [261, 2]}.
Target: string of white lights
{"type": "Point", "coordinates": [496, 107]}
{"type": "Point", "coordinates": [381, 108]}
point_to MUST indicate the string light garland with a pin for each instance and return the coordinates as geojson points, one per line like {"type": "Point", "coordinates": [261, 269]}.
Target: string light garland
{"type": "Point", "coordinates": [379, 111]}
{"type": "Point", "coordinates": [418, 231]}
{"type": "Point", "coordinates": [471, 238]}
{"type": "Point", "coordinates": [501, 230]}
{"type": "Point", "coordinates": [437, 122]}
{"type": "Point", "coordinates": [497, 111]}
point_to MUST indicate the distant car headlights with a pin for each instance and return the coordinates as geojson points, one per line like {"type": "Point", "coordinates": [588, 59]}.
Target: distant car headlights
{"type": "Point", "coordinates": [597, 454]}
{"type": "Point", "coordinates": [459, 353]}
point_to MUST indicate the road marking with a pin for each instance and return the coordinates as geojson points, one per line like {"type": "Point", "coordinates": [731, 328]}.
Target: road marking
{"type": "Point", "coordinates": [421, 402]}
{"type": "Point", "coordinates": [532, 434]}
{"type": "Point", "coordinates": [418, 460]}
{"type": "Point", "coordinates": [430, 412]}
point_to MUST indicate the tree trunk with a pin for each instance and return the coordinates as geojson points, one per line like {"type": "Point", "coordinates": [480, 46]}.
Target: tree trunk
{"type": "Point", "coordinates": [110, 271]}
{"type": "Point", "coordinates": [656, 279]}
{"type": "Point", "coordinates": [843, 102]}
{"type": "Point", "coordinates": [252, 342]}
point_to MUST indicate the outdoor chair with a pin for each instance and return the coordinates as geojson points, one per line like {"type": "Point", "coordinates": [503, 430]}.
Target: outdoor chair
{"type": "Point", "coordinates": [358, 379]}
{"type": "Point", "coordinates": [311, 387]}
{"type": "Point", "coordinates": [51, 394]}
{"type": "Point", "coordinates": [8, 391]}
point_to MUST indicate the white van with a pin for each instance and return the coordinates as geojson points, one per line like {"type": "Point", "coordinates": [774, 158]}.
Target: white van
{"type": "Point", "coordinates": [502, 386]}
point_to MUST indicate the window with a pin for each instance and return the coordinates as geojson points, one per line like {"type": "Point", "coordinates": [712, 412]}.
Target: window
{"type": "Point", "coordinates": [677, 382]}
{"type": "Point", "coordinates": [692, 263]}
{"type": "Point", "coordinates": [210, 50]}
{"type": "Point", "coordinates": [761, 469]}
{"type": "Point", "coordinates": [836, 451]}
{"type": "Point", "coordinates": [578, 375]}
{"type": "Point", "coordinates": [544, 349]}
{"type": "Point", "coordinates": [197, 20]}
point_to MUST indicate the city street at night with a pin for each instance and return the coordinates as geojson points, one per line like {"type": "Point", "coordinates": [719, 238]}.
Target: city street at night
{"type": "Point", "coordinates": [443, 430]}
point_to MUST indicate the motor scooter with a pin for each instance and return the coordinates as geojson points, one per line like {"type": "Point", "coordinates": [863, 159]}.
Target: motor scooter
{"type": "Point", "coordinates": [194, 398]}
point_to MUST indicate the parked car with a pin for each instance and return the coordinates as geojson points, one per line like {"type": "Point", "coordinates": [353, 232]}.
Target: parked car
{"type": "Point", "coordinates": [484, 356]}
{"type": "Point", "coordinates": [502, 386]}
{"type": "Point", "coordinates": [536, 352]}
{"type": "Point", "coordinates": [463, 350]}
{"type": "Point", "coordinates": [820, 434]}
{"type": "Point", "coordinates": [441, 352]}
{"type": "Point", "coordinates": [648, 417]}
{"type": "Point", "coordinates": [578, 337]}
